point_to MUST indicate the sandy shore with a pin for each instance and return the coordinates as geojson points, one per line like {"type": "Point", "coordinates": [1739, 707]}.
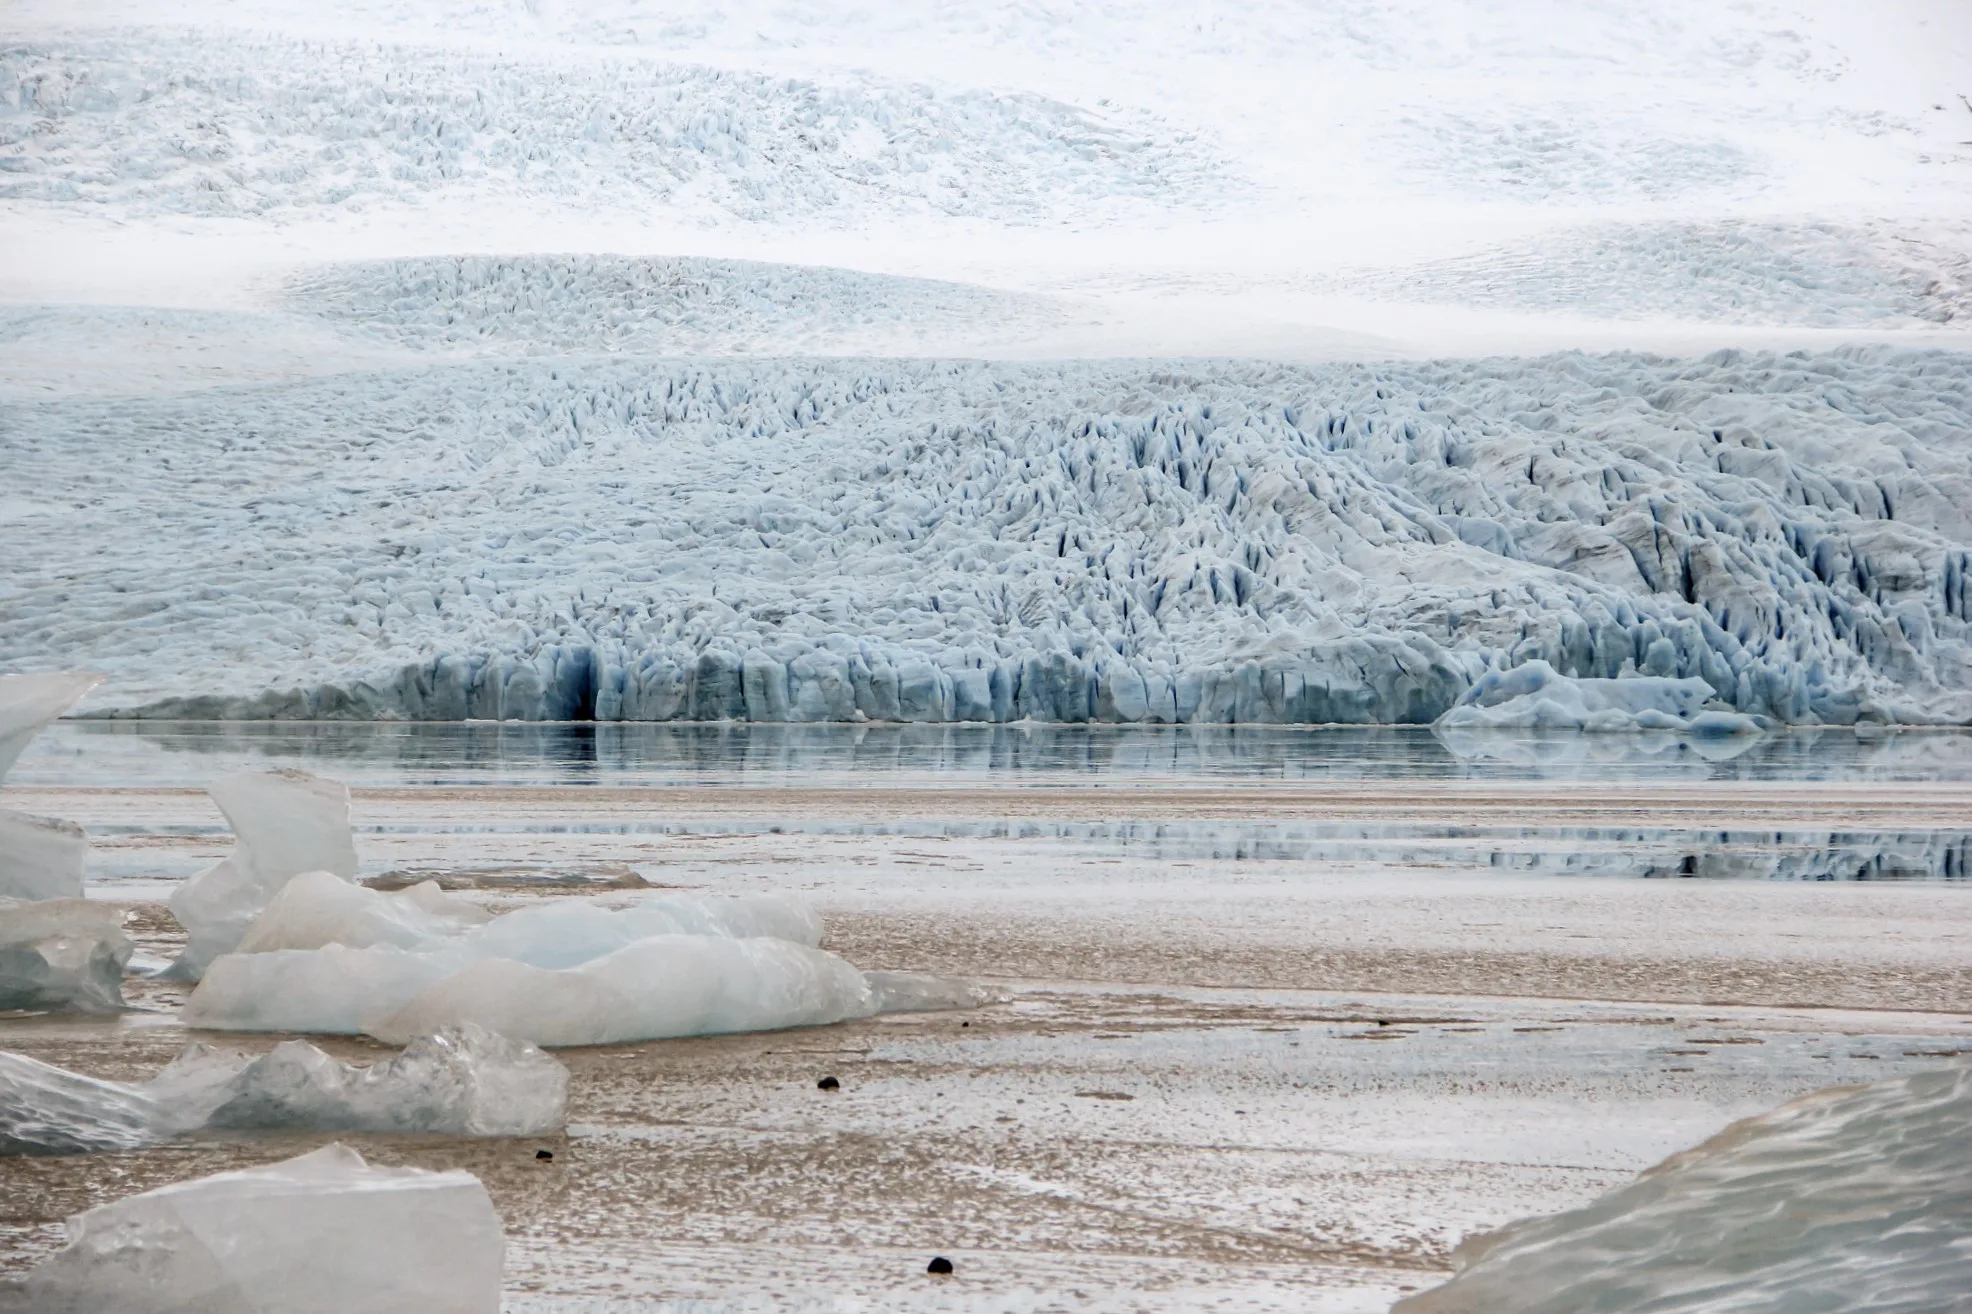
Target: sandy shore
{"type": "Point", "coordinates": [1214, 1082]}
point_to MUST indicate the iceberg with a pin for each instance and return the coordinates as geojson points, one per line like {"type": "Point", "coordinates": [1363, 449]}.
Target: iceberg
{"type": "Point", "coordinates": [285, 822]}
{"type": "Point", "coordinates": [460, 1081]}
{"type": "Point", "coordinates": [29, 702]}
{"type": "Point", "coordinates": [324, 1233]}
{"type": "Point", "coordinates": [1859, 1196]}
{"type": "Point", "coordinates": [1535, 696]}
{"type": "Point", "coordinates": [40, 857]}
{"type": "Point", "coordinates": [49, 1110]}
{"type": "Point", "coordinates": [654, 989]}
{"type": "Point", "coordinates": [62, 954]}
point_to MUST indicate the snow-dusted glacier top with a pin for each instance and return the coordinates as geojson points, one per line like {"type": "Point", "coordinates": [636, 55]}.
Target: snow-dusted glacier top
{"type": "Point", "coordinates": [836, 540]}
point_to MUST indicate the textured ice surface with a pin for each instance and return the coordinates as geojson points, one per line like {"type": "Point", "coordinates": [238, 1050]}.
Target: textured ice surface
{"type": "Point", "coordinates": [321, 908]}
{"type": "Point", "coordinates": [462, 1081]}
{"type": "Point", "coordinates": [62, 954]}
{"type": "Point", "coordinates": [1745, 273]}
{"type": "Point", "coordinates": [40, 857]}
{"type": "Point", "coordinates": [228, 125]}
{"type": "Point", "coordinates": [49, 1110]}
{"type": "Point", "coordinates": [345, 960]}
{"type": "Point", "coordinates": [964, 541]}
{"type": "Point", "coordinates": [654, 989]}
{"type": "Point", "coordinates": [1851, 1199]}
{"type": "Point", "coordinates": [321, 1234]}
{"type": "Point", "coordinates": [284, 823]}
{"type": "Point", "coordinates": [667, 307]}
{"type": "Point", "coordinates": [1534, 696]}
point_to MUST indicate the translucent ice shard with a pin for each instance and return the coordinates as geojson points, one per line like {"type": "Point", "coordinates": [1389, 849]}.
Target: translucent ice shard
{"type": "Point", "coordinates": [924, 992]}
{"type": "Point", "coordinates": [29, 702]}
{"type": "Point", "coordinates": [1534, 696]}
{"type": "Point", "coordinates": [668, 985]}
{"type": "Point", "coordinates": [62, 954]}
{"type": "Point", "coordinates": [40, 857]}
{"type": "Point", "coordinates": [49, 1110]}
{"type": "Point", "coordinates": [286, 823]}
{"type": "Point", "coordinates": [1849, 1199]}
{"type": "Point", "coordinates": [321, 1234]}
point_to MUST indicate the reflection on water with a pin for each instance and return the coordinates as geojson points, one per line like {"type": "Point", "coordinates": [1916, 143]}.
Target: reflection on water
{"type": "Point", "coordinates": [167, 752]}
{"type": "Point", "coordinates": [191, 754]}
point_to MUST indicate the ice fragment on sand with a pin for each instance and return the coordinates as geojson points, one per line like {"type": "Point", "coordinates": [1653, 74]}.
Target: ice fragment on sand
{"type": "Point", "coordinates": [321, 1234]}
{"type": "Point", "coordinates": [285, 823]}
{"type": "Point", "coordinates": [49, 1110]}
{"type": "Point", "coordinates": [29, 702]}
{"type": "Point", "coordinates": [334, 990]}
{"type": "Point", "coordinates": [1859, 1196]}
{"type": "Point", "coordinates": [1534, 696]}
{"type": "Point", "coordinates": [665, 986]}
{"type": "Point", "coordinates": [40, 857]}
{"type": "Point", "coordinates": [320, 908]}
{"type": "Point", "coordinates": [62, 954]}
{"type": "Point", "coordinates": [924, 992]}
{"type": "Point", "coordinates": [567, 932]}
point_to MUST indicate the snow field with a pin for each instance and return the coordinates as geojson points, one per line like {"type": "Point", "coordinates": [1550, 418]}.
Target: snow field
{"type": "Point", "coordinates": [907, 540]}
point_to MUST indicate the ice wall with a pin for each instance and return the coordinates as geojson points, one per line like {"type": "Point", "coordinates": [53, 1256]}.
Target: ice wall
{"type": "Point", "coordinates": [1849, 1199]}
{"type": "Point", "coordinates": [324, 1233]}
{"type": "Point", "coordinates": [284, 823]}
{"type": "Point", "coordinates": [977, 541]}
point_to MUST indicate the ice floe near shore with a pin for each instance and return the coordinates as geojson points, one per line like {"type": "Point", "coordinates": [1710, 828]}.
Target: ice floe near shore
{"type": "Point", "coordinates": [899, 540]}
{"type": "Point", "coordinates": [459, 1081]}
{"type": "Point", "coordinates": [62, 954]}
{"type": "Point", "coordinates": [1850, 1199]}
{"type": "Point", "coordinates": [324, 1233]}
{"type": "Point", "coordinates": [327, 957]}
{"type": "Point", "coordinates": [285, 823]}
{"type": "Point", "coordinates": [1534, 696]}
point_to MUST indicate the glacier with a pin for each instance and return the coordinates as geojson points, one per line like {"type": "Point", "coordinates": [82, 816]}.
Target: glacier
{"type": "Point", "coordinates": [1851, 1199]}
{"type": "Point", "coordinates": [324, 1233]}
{"type": "Point", "coordinates": [458, 1081]}
{"type": "Point", "coordinates": [62, 954]}
{"type": "Point", "coordinates": [839, 540]}
{"type": "Point", "coordinates": [285, 823]}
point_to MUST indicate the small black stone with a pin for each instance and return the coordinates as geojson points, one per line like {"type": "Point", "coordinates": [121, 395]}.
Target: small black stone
{"type": "Point", "coordinates": [544, 1155]}
{"type": "Point", "coordinates": [939, 1265]}
{"type": "Point", "coordinates": [828, 1083]}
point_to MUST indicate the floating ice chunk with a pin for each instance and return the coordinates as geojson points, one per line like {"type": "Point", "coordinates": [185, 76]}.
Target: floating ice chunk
{"type": "Point", "coordinates": [334, 990]}
{"type": "Point", "coordinates": [62, 954]}
{"type": "Point", "coordinates": [1534, 696]}
{"type": "Point", "coordinates": [321, 1234]}
{"type": "Point", "coordinates": [665, 986]}
{"type": "Point", "coordinates": [49, 1110]}
{"type": "Point", "coordinates": [29, 702]}
{"type": "Point", "coordinates": [286, 823]}
{"type": "Point", "coordinates": [321, 908]}
{"type": "Point", "coordinates": [924, 992]}
{"type": "Point", "coordinates": [1859, 1196]}
{"type": "Point", "coordinates": [40, 857]}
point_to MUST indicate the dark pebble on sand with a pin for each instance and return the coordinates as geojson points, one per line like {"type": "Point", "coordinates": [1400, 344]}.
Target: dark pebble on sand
{"type": "Point", "coordinates": [828, 1083]}
{"type": "Point", "coordinates": [940, 1265]}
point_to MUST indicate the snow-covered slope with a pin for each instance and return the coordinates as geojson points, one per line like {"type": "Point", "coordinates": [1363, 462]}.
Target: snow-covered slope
{"type": "Point", "coordinates": [921, 540]}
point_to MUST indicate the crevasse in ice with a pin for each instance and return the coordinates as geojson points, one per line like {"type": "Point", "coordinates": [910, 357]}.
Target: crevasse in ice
{"type": "Point", "coordinates": [284, 823]}
{"type": "Point", "coordinates": [324, 1233]}
{"type": "Point", "coordinates": [1849, 1199]}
